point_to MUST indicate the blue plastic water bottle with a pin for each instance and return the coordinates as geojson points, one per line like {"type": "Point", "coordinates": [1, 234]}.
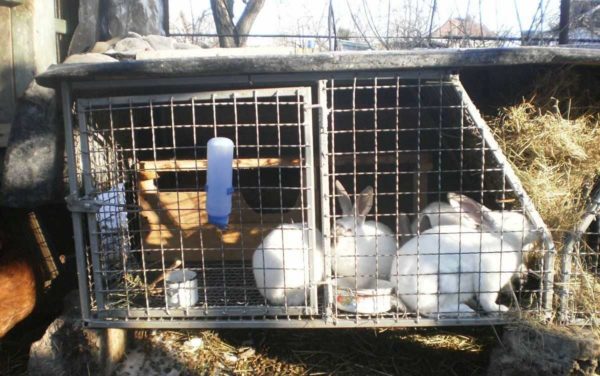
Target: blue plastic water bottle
{"type": "Point", "coordinates": [219, 181]}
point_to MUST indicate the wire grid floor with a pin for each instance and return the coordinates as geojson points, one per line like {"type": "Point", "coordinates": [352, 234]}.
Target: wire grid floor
{"type": "Point", "coordinates": [230, 285]}
{"type": "Point", "coordinates": [219, 284]}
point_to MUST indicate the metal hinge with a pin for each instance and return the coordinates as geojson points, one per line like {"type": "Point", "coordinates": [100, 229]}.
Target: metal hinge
{"type": "Point", "coordinates": [82, 204]}
{"type": "Point", "coordinates": [60, 26]}
{"type": "Point", "coordinates": [318, 106]}
{"type": "Point", "coordinates": [323, 114]}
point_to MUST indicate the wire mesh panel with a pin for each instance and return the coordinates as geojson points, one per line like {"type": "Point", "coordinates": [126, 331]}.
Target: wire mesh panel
{"type": "Point", "coordinates": [424, 221]}
{"type": "Point", "coordinates": [143, 162]}
{"type": "Point", "coordinates": [580, 268]}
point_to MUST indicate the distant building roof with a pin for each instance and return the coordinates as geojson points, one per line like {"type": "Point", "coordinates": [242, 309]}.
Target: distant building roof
{"type": "Point", "coordinates": [578, 36]}
{"type": "Point", "coordinates": [584, 33]}
{"type": "Point", "coordinates": [462, 27]}
{"type": "Point", "coordinates": [347, 45]}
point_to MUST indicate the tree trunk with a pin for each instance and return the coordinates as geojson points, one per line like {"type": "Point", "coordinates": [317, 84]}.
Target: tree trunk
{"type": "Point", "coordinates": [245, 23]}
{"type": "Point", "coordinates": [223, 23]}
{"type": "Point", "coordinates": [231, 35]}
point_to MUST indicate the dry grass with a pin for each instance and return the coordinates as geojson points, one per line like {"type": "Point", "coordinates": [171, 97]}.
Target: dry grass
{"type": "Point", "coordinates": [556, 158]}
{"type": "Point", "coordinates": [585, 288]}
{"type": "Point", "coordinates": [554, 147]}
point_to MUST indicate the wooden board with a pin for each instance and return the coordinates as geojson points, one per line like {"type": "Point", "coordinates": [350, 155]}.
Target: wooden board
{"type": "Point", "coordinates": [201, 164]}
{"type": "Point", "coordinates": [178, 220]}
{"type": "Point", "coordinates": [167, 165]}
{"type": "Point", "coordinates": [172, 220]}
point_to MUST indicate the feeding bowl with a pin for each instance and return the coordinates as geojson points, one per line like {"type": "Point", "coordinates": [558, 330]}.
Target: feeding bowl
{"type": "Point", "coordinates": [366, 296]}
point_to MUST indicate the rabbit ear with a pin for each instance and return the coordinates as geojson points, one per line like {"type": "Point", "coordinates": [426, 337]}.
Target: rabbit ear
{"type": "Point", "coordinates": [425, 224]}
{"type": "Point", "coordinates": [404, 225]}
{"type": "Point", "coordinates": [471, 210]}
{"type": "Point", "coordinates": [405, 231]}
{"type": "Point", "coordinates": [343, 198]}
{"type": "Point", "coordinates": [364, 203]}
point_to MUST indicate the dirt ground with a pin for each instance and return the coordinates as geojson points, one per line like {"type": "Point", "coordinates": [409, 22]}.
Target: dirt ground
{"type": "Point", "coordinates": [413, 351]}
{"type": "Point", "coordinates": [463, 351]}
{"type": "Point", "coordinates": [14, 347]}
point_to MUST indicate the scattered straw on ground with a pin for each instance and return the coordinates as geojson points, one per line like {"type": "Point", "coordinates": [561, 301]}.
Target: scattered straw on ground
{"type": "Point", "coordinates": [410, 351]}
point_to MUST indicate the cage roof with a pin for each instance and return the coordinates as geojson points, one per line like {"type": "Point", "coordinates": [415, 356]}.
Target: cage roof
{"type": "Point", "coordinates": [318, 62]}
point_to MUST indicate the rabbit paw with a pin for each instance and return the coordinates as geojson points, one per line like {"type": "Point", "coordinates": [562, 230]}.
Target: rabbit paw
{"type": "Point", "coordinates": [497, 310]}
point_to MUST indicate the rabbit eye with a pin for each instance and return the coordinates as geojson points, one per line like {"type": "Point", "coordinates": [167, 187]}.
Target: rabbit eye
{"type": "Point", "coordinates": [342, 231]}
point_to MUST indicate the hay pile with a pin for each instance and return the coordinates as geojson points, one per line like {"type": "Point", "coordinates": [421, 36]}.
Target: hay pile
{"type": "Point", "coordinates": [554, 147]}
{"type": "Point", "coordinates": [556, 158]}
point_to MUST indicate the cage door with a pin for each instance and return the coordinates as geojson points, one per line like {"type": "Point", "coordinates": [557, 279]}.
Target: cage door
{"type": "Point", "coordinates": [143, 164]}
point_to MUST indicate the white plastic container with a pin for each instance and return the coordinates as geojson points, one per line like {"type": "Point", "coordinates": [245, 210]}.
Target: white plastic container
{"type": "Point", "coordinates": [219, 180]}
{"type": "Point", "coordinates": [182, 288]}
{"type": "Point", "coordinates": [372, 296]}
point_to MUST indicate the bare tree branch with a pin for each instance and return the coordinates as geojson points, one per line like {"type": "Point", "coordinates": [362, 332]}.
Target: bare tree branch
{"type": "Point", "coordinates": [247, 19]}
{"type": "Point", "coordinates": [532, 28]}
{"type": "Point", "coordinates": [373, 27]}
{"type": "Point", "coordinates": [433, 9]}
{"type": "Point", "coordinates": [331, 27]}
{"type": "Point", "coordinates": [357, 25]}
{"type": "Point", "coordinates": [518, 19]}
{"type": "Point", "coordinates": [481, 23]}
{"type": "Point", "coordinates": [230, 34]}
{"type": "Point", "coordinates": [389, 11]}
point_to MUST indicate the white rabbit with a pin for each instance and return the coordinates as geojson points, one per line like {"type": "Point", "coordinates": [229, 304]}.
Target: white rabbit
{"type": "Point", "coordinates": [439, 213]}
{"type": "Point", "coordinates": [281, 265]}
{"type": "Point", "coordinates": [458, 263]}
{"type": "Point", "coordinates": [362, 249]}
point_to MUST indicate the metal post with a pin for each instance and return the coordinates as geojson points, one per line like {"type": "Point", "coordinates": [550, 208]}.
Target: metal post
{"type": "Point", "coordinates": [166, 23]}
{"type": "Point", "coordinates": [325, 195]}
{"type": "Point", "coordinates": [311, 198]}
{"type": "Point", "coordinates": [565, 8]}
{"type": "Point", "coordinates": [88, 185]}
{"type": "Point", "coordinates": [84, 299]}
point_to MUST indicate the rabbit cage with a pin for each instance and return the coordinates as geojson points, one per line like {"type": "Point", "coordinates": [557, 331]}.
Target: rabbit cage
{"type": "Point", "coordinates": [343, 173]}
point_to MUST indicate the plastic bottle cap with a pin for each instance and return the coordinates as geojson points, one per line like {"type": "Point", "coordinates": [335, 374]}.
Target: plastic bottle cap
{"type": "Point", "coordinates": [219, 221]}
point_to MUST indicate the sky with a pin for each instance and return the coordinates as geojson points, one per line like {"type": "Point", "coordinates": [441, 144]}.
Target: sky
{"type": "Point", "coordinates": [506, 17]}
